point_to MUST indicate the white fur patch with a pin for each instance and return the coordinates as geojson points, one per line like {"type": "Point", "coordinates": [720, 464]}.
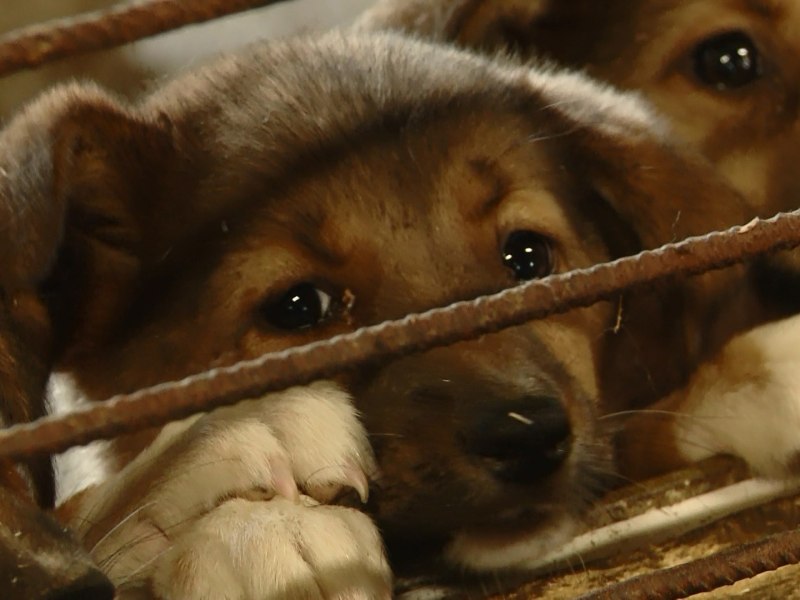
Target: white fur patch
{"type": "Point", "coordinates": [474, 553]}
{"type": "Point", "coordinates": [82, 466]}
{"type": "Point", "coordinates": [754, 415]}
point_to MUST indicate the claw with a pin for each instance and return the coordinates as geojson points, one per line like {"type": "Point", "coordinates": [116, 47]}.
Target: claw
{"type": "Point", "coordinates": [348, 475]}
{"type": "Point", "coordinates": [357, 480]}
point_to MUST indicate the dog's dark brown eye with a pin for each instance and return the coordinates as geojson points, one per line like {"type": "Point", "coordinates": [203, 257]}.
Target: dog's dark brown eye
{"type": "Point", "coordinates": [727, 61]}
{"type": "Point", "coordinates": [528, 255]}
{"type": "Point", "coordinates": [302, 306]}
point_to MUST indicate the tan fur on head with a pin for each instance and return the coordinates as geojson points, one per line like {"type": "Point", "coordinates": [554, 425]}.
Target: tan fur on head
{"type": "Point", "coordinates": [370, 176]}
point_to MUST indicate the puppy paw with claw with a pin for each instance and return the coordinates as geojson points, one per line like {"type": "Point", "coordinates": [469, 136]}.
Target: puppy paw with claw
{"type": "Point", "coordinates": [194, 487]}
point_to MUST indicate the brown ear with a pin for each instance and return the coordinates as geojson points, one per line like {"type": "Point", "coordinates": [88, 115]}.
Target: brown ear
{"type": "Point", "coordinates": [665, 192]}
{"type": "Point", "coordinates": [73, 170]}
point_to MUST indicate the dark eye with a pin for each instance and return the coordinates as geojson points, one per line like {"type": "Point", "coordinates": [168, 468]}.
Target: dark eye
{"type": "Point", "coordinates": [528, 255]}
{"type": "Point", "coordinates": [302, 306]}
{"type": "Point", "coordinates": [727, 61]}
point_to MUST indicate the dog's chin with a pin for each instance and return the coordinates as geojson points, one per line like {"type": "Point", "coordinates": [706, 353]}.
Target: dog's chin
{"type": "Point", "coordinates": [479, 522]}
{"type": "Point", "coordinates": [504, 530]}
{"type": "Point", "coordinates": [511, 546]}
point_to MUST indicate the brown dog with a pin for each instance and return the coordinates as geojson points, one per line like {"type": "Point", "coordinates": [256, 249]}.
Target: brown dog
{"type": "Point", "coordinates": [724, 74]}
{"type": "Point", "coordinates": [304, 188]}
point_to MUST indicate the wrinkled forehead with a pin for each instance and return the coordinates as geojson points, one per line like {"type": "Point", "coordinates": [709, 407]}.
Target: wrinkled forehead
{"type": "Point", "coordinates": [453, 166]}
{"type": "Point", "coordinates": [429, 204]}
{"type": "Point", "coordinates": [373, 125]}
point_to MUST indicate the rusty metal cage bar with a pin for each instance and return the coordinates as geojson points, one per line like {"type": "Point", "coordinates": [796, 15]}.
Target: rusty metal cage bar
{"type": "Point", "coordinates": [138, 19]}
{"type": "Point", "coordinates": [103, 29]}
{"type": "Point", "coordinates": [442, 326]}
{"type": "Point", "coordinates": [708, 573]}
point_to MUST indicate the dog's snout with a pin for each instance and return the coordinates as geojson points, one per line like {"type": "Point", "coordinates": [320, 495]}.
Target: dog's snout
{"type": "Point", "coordinates": [521, 441]}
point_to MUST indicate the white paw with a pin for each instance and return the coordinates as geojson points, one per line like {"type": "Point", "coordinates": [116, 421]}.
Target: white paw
{"type": "Point", "coordinates": [305, 440]}
{"type": "Point", "coordinates": [280, 549]}
{"type": "Point", "coordinates": [746, 402]}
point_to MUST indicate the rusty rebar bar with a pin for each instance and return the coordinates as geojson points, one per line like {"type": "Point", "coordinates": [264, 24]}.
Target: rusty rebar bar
{"type": "Point", "coordinates": [438, 327]}
{"type": "Point", "coordinates": [708, 573]}
{"type": "Point", "coordinates": [99, 30]}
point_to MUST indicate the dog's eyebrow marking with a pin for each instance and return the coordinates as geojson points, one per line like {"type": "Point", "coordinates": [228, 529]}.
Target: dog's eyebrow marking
{"type": "Point", "coordinates": [522, 419]}
{"type": "Point", "coordinates": [312, 241]}
{"type": "Point", "coordinates": [321, 251]}
{"type": "Point", "coordinates": [764, 8]}
{"type": "Point", "coordinates": [489, 172]}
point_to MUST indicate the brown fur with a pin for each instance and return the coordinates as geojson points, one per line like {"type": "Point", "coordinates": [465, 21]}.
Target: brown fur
{"type": "Point", "coordinates": [320, 161]}
{"type": "Point", "coordinates": [750, 132]}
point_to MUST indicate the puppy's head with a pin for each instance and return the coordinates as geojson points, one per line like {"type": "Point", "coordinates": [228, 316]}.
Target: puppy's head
{"type": "Point", "coordinates": [302, 189]}
{"type": "Point", "coordinates": [725, 73]}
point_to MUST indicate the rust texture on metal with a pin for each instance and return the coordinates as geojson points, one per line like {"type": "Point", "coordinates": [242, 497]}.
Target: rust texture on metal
{"type": "Point", "coordinates": [709, 573]}
{"type": "Point", "coordinates": [121, 24]}
{"type": "Point", "coordinates": [437, 327]}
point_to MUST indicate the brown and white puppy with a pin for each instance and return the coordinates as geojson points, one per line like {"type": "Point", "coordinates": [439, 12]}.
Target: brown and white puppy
{"type": "Point", "coordinates": [726, 76]}
{"type": "Point", "coordinates": [303, 188]}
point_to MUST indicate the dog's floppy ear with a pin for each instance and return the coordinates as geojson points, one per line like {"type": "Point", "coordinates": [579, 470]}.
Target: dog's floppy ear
{"type": "Point", "coordinates": [75, 167]}
{"type": "Point", "coordinates": [665, 191]}
{"type": "Point", "coordinates": [72, 154]}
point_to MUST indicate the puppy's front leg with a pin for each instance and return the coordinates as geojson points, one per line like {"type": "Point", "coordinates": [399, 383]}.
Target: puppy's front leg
{"type": "Point", "coordinates": [744, 402]}
{"type": "Point", "coordinates": [228, 505]}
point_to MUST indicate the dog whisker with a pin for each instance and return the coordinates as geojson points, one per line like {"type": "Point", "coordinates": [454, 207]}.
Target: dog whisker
{"type": "Point", "coordinates": [693, 443]}
{"type": "Point", "coordinates": [112, 558]}
{"type": "Point", "coordinates": [662, 413]}
{"type": "Point", "coordinates": [142, 567]}
{"type": "Point", "coordinates": [120, 524]}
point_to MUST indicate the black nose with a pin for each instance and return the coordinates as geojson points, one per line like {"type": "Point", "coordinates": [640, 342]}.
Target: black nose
{"type": "Point", "coordinates": [521, 441]}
